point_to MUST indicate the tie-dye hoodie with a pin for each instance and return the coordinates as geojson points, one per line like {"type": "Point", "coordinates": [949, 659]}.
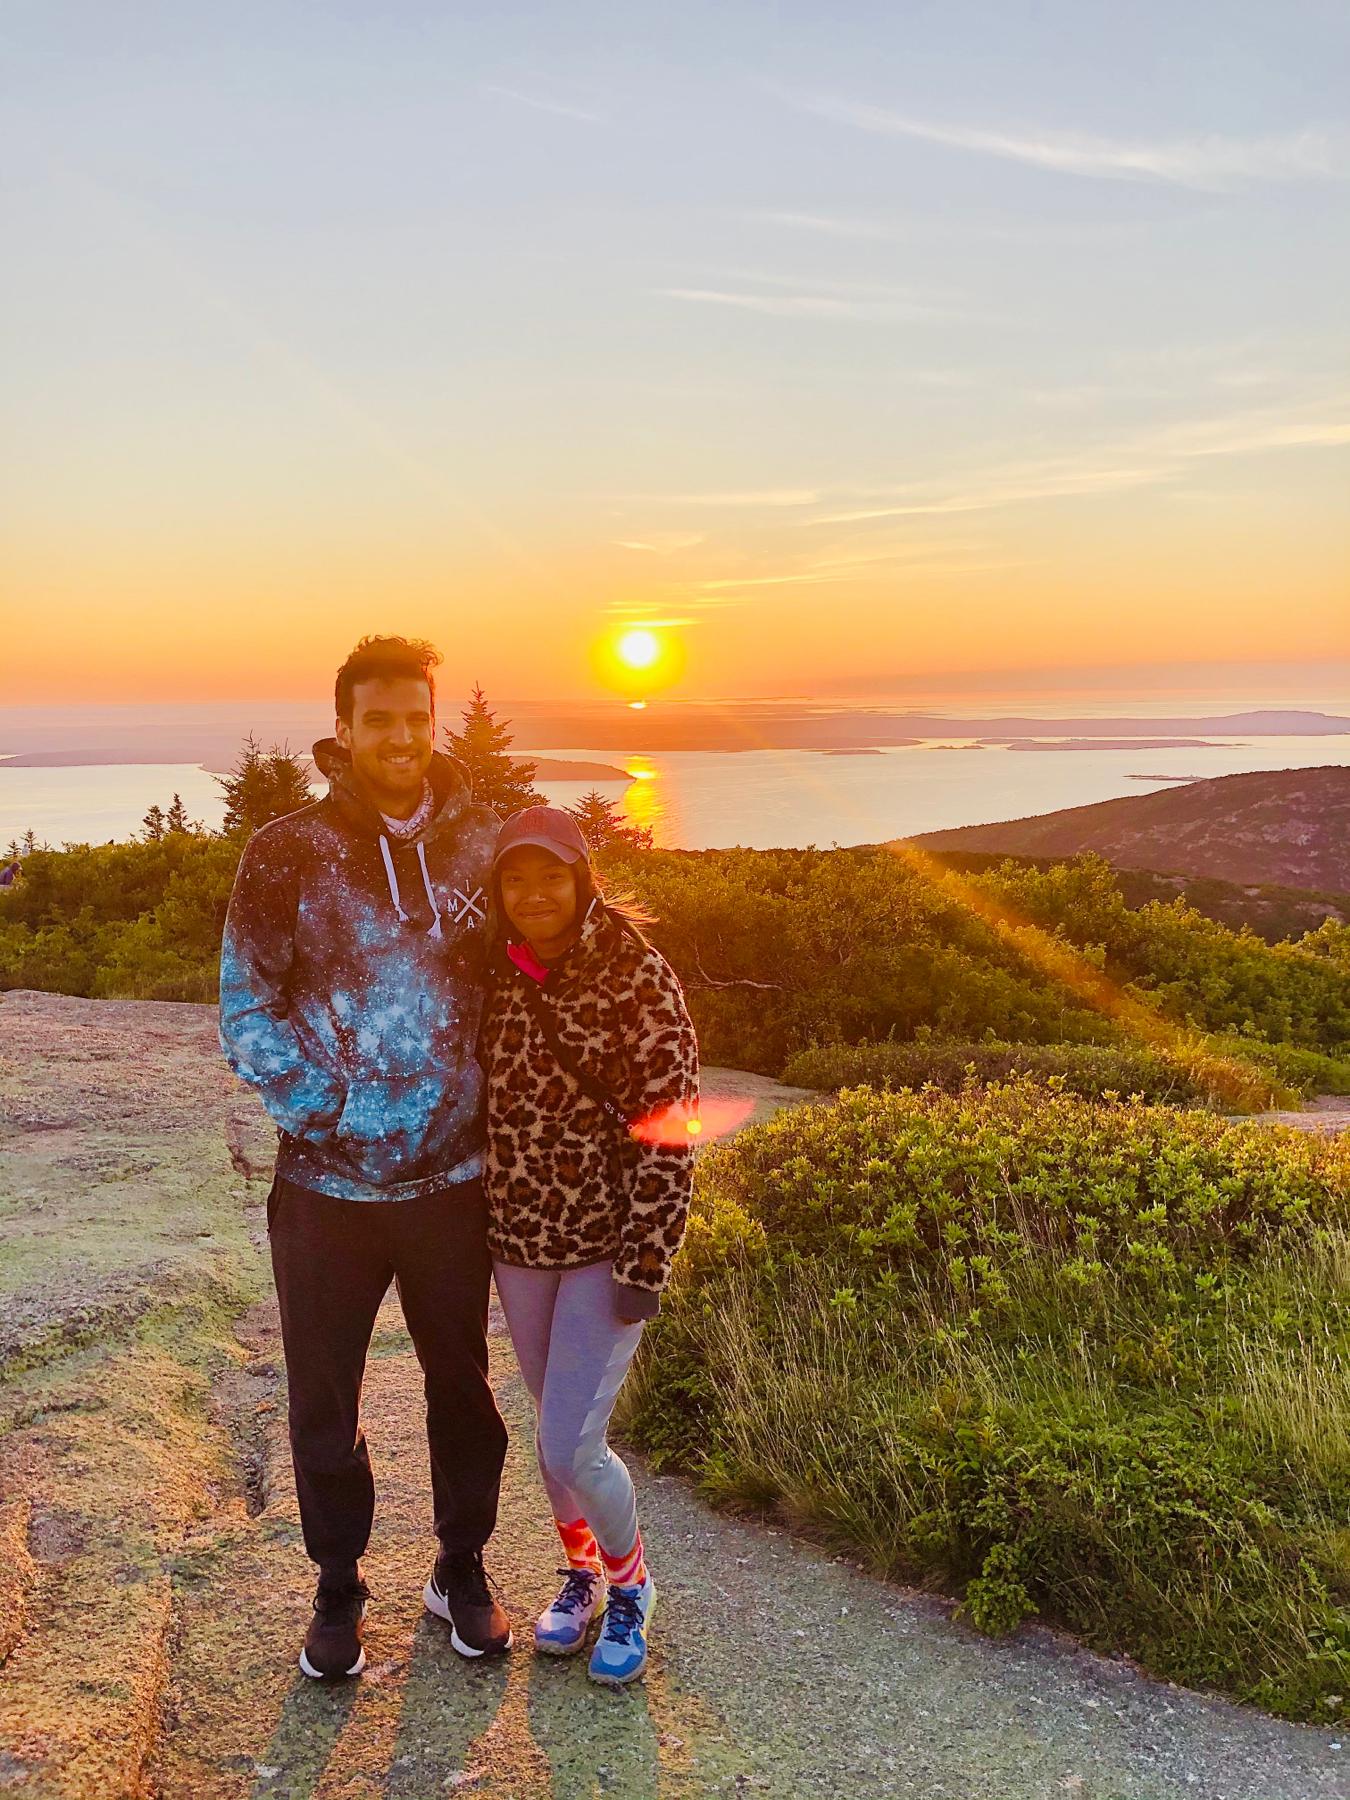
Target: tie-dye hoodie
{"type": "Point", "coordinates": [351, 987]}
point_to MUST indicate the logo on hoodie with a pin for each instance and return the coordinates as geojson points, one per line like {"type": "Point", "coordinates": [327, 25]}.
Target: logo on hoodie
{"type": "Point", "coordinates": [470, 910]}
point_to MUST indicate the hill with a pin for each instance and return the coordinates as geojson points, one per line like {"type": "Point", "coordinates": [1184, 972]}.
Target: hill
{"type": "Point", "coordinates": [1289, 827]}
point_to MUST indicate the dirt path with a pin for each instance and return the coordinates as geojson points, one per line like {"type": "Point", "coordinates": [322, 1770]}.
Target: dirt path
{"type": "Point", "coordinates": [153, 1588]}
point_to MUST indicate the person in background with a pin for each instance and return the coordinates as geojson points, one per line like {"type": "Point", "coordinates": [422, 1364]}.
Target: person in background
{"type": "Point", "coordinates": [592, 1091]}
{"type": "Point", "coordinates": [350, 998]}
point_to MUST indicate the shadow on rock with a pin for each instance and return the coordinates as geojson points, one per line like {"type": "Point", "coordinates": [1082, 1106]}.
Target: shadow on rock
{"type": "Point", "coordinates": [597, 1740]}
{"type": "Point", "coordinates": [448, 1704]}
{"type": "Point", "coordinates": [312, 1720]}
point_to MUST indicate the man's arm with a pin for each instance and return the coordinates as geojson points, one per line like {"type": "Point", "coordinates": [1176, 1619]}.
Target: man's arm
{"type": "Point", "coordinates": [259, 1040]}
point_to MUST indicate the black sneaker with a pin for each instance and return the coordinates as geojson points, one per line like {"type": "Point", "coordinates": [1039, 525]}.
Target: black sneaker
{"type": "Point", "coordinates": [458, 1592]}
{"type": "Point", "coordinates": [333, 1642]}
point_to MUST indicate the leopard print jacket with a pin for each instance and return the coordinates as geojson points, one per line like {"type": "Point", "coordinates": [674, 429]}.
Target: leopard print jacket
{"type": "Point", "coordinates": [565, 1186]}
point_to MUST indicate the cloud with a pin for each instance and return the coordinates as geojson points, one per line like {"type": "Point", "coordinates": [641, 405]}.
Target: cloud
{"type": "Point", "coordinates": [1003, 490]}
{"type": "Point", "coordinates": [804, 305]}
{"type": "Point", "coordinates": [734, 497]}
{"type": "Point", "coordinates": [1206, 161]}
{"type": "Point", "coordinates": [1251, 433]}
{"type": "Point", "coordinates": [662, 543]}
{"type": "Point", "coordinates": [559, 108]}
{"type": "Point", "coordinates": [868, 230]}
{"type": "Point", "coordinates": [801, 578]}
{"type": "Point", "coordinates": [1149, 459]}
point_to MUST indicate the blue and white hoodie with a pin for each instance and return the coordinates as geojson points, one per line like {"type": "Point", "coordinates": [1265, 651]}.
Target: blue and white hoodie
{"type": "Point", "coordinates": [351, 984]}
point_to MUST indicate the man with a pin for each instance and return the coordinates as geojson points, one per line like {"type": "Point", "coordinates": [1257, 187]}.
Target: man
{"type": "Point", "coordinates": [350, 992]}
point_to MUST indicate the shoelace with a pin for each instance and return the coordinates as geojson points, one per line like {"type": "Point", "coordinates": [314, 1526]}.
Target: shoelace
{"type": "Point", "coordinates": [463, 1575]}
{"type": "Point", "coordinates": [623, 1615]}
{"type": "Point", "coordinates": [331, 1600]}
{"type": "Point", "coordinates": [576, 1590]}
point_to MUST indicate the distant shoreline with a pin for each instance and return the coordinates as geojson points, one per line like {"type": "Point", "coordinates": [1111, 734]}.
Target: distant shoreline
{"type": "Point", "coordinates": [546, 768]}
{"type": "Point", "coordinates": [210, 737]}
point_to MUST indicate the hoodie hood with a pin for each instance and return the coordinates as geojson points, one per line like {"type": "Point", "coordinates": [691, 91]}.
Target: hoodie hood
{"type": "Point", "coordinates": [451, 793]}
{"type": "Point", "coordinates": [449, 780]}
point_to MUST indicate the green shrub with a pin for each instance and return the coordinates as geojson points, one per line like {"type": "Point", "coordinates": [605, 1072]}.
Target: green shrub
{"type": "Point", "coordinates": [1084, 1359]}
{"type": "Point", "coordinates": [1090, 1070]}
{"type": "Point", "coordinates": [1308, 1072]}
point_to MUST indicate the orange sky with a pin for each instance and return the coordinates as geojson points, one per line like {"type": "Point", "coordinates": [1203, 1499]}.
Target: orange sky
{"type": "Point", "coordinates": [897, 370]}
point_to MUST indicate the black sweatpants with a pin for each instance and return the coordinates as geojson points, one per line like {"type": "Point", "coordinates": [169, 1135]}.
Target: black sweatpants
{"type": "Point", "coordinates": [333, 1261]}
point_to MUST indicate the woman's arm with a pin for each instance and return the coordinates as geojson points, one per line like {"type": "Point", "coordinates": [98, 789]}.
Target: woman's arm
{"type": "Point", "coordinates": [662, 1052]}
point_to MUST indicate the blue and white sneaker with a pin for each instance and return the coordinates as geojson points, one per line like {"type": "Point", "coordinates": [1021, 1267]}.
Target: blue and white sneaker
{"type": "Point", "coordinates": [560, 1630]}
{"type": "Point", "coordinates": [620, 1653]}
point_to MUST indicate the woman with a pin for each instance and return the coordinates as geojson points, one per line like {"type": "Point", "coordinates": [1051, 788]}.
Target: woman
{"type": "Point", "coordinates": [592, 1084]}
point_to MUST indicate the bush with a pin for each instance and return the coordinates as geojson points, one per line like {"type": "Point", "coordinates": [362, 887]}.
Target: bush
{"type": "Point", "coordinates": [1308, 1072]}
{"type": "Point", "coordinates": [1089, 1360]}
{"type": "Point", "coordinates": [120, 921]}
{"type": "Point", "coordinates": [782, 949]}
{"type": "Point", "coordinates": [1091, 1070]}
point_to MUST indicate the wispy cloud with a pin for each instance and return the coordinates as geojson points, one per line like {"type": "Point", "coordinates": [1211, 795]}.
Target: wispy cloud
{"type": "Point", "coordinates": [1147, 459]}
{"type": "Point", "coordinates": [1250, 434]}
{"type": "Point", "coordinates": [748, 497]}
{"type": "Point", "coordinates": [662, 543]}
{"type": "Point", "coordinates": [559, 108]}
{"type": "Point", "coordinates": [1205, 161]}
{"type": "Point", "coordinates": [999, 491]}
{"type": "Point", "coordinates": [807, 305]}
{"type": "Point", "coordinates": [796, 578]}
{"type": "Point", "coordinates": [866, 230]}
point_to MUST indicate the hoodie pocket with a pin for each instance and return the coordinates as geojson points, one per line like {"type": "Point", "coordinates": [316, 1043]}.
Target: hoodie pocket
{"type": "Point", "coordinates": [390, 1125]}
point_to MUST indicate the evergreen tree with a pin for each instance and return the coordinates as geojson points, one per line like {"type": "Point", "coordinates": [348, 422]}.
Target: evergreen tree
{"type": "Point", "coordinates": [262, 786]}
{"type": "Point", "coordinates": [499, 780]}
{"type": "Point", "coordinates": [154, 824]}
{"type": "Point", "coordinates": [176, 819]}
{"type": "Point", "coordinates": [602, 823]}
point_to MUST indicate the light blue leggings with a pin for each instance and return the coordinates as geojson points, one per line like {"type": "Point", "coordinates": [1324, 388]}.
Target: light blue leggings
{"type": "Point", "coordinates": [574, 1352]}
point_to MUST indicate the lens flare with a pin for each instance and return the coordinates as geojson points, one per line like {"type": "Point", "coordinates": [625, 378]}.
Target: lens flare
{"type": "Point", "coordinates": [675, 1126]}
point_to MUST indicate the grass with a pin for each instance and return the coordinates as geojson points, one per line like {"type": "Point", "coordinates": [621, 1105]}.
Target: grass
{"type": "Point", "coordinates": [1082, 1360]}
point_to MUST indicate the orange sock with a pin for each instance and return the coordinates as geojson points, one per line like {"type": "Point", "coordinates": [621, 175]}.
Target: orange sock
{"type": "Point", "coordinates": [626, 1571]}
{"type": "Point", "coordinates": [578, 1541]}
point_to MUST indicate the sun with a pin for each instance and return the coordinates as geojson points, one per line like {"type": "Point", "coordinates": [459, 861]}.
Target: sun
{"type": "Point", "coordinates": [639, 659]}
{"type": "Point", "coordinates": [639, 649]}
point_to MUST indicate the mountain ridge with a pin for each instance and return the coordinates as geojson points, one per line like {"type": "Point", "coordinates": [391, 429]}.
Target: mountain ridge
{"type": "Point", "coordinates": [1289, 827]}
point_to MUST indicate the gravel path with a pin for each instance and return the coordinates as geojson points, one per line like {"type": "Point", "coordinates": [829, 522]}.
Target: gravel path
{"type": "Point", "coordinates": [777, 1671]}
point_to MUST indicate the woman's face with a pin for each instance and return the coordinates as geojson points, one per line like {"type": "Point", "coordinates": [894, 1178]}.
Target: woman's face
{"type": "Point", "coordinates": [539, 893]}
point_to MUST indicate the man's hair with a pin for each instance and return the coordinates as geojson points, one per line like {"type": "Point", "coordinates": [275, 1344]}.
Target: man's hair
{"type": "Point", "coordinates": [385, 659]}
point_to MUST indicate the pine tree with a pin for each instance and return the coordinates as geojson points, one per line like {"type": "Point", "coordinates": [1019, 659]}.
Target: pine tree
{"type": "Point", "coordinates": [176, 819]}
{"type": "Point", "coordinates": [499, 780]}
{"type": "Point", "coordinates": [262, 786]}
{"type": "Point", "coordinates": [602, 823]}
{"type": "Point", "coordinates": [154, 825]}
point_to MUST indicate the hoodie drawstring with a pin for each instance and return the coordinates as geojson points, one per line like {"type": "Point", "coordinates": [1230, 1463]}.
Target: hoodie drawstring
{"type": "Point", "coordinates": [434, 931]}
{"type": "Point", "coordinates": [393, 879]}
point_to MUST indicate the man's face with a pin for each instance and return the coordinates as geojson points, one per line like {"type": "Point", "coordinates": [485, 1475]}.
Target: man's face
{"type": "Point", "coordinates": [391, 739]}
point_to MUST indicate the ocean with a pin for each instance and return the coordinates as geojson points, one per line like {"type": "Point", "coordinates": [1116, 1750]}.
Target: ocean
{"type": "Point", "coordinates": [712, 799]}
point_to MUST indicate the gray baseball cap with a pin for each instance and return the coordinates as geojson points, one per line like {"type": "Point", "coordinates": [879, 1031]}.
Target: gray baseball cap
{"type": "Point", "coordinates": [549, 827]}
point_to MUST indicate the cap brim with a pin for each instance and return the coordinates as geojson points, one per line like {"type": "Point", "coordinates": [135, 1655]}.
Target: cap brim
{"type": "Point", "coordinates": [563, 852]}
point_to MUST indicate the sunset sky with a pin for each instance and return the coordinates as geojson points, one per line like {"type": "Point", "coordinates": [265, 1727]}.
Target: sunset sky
{"type": "Point", "coordinates": [869, 349]}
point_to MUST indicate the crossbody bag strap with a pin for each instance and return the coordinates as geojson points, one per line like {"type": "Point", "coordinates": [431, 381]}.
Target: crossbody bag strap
{"type": "Point", "coordinates": [542, 1013]}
